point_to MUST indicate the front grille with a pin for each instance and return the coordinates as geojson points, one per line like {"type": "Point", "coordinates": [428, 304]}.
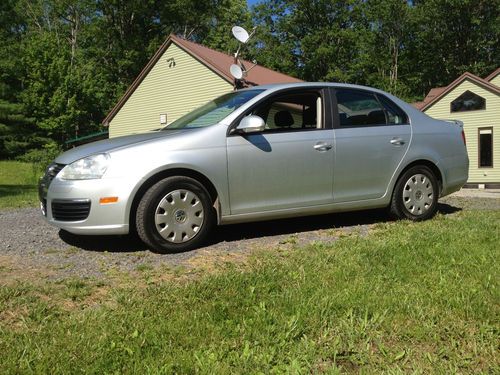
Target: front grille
{"type": "Point", "coordinates": [70, 210]}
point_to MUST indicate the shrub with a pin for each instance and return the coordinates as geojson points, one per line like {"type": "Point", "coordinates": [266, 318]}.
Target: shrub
{"type": "Point", "coordinates": [41, 158]}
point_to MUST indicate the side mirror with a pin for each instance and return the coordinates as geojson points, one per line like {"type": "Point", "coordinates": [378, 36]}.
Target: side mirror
{"type": "Point", "coordinates": [251, 124]}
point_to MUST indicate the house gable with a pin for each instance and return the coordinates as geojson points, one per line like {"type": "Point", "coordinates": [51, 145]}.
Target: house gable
{"type": "Point", "coordinates": [430, 100]}
{"type": "Point", "coordinates": [442, 106]}
{"type": "Point", "coordinates": [217, 62]}
{"type": "Point", "coordinates": [474, 121]}
{"type": "Point", "coordinates": [173, 84]}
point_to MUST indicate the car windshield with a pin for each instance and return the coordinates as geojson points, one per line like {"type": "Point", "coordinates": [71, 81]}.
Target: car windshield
{"type": "Point", "coordinates": [214, 111]}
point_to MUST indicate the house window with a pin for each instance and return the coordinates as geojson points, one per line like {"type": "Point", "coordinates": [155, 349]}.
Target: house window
{"type": "Point", "coordinates": [468, 101]}
{"type": "Point", "coordinates": [485, 147]}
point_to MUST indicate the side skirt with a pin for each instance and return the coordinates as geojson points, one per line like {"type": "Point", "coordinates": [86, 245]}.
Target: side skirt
{"type": "Point", "coordinates": [305, 211]}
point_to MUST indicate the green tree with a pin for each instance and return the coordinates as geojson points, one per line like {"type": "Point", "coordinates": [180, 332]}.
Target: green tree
{"type": "Point", "coordinates": [18, 132]}
{"type": "Point", "coordinates": [81, 55]}
{"type": "Point", "coordinates": [315, 40]}
{"type": "Point", "coordinates": [389, 27]}
{"type": "Point", "coordinates": [451, 37]}
{"type": "Point", "coordinates": [228, 13]}
{"type": "Point", "coordinates": [57, 76]}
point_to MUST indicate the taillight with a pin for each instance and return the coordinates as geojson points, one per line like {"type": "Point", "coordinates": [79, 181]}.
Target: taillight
{"type": "Point", "coordinates": [463, 137]}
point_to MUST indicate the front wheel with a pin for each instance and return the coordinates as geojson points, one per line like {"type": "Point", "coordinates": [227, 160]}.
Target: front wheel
{"type": "Point", "coordinates": [415, 195]}
{"type": "Point", "coordinates": [175, 215]}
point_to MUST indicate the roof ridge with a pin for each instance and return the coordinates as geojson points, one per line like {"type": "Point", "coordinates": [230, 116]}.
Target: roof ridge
{"type": "Point", "coordinates": [479, 78]}
{"type": "Point", "coordinates": [198, 44]}
{"type": "Point", "coordinates": [492, 75]}
{"type": "Point", "coordinates": [225, 54]}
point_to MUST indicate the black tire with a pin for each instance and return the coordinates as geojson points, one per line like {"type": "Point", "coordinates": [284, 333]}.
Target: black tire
{"type": "Point", "coordinates": [184, 221]}
{"type": "Point", "coordinates": [415, 196]}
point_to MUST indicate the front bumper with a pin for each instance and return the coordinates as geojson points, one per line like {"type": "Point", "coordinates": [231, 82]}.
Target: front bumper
{"type": "Point", "coordinates": [74, 205]}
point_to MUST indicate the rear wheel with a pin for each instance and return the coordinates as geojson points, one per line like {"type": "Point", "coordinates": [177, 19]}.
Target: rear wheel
{"type": "Point", "coordinates": [175, 215]}
{"type": "Point", "coordinates": [415, 195]}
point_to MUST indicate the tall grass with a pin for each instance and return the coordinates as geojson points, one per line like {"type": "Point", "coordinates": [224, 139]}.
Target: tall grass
{"type": "Point", "coordinates": [18, 184]}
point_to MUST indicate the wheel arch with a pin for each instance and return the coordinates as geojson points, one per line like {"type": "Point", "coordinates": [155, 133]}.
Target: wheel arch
{"type": "Point", "coordinates": [427, 163]}
{"type": "Point", "coordinates": [181, 172]}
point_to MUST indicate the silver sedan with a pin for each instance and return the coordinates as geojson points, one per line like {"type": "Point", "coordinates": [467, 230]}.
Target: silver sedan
{"type": "Point", "coordinates": [257, 154]}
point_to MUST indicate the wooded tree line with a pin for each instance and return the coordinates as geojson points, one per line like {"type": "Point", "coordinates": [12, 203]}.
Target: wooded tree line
{"type": "Point", "coordinates": [65, 63]}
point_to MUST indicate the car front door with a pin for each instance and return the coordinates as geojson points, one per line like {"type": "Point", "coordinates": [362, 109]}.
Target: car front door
{"type": "Point", "coordinates": [287, 165]}
{"type": "Point", "coordinates": [372, 135]}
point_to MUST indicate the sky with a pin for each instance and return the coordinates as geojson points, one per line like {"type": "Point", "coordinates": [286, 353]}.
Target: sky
{"type": "Point", "coordinates": [252, 2]}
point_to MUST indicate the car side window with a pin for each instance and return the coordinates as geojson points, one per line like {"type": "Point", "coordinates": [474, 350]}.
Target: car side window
{"type": "Point", "coordinates": [395, 115]}
{"type": "Point", "coordinates": [291, 112]}
{"type": "Point", "coordinates": [359, 108]}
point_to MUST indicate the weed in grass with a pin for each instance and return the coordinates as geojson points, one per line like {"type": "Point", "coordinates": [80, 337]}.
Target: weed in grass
{"type": "Point", "coordinates": [77, 290]}
{"type": "Point", "coordinates": [179, 270]}
{"type": "Point", "coordinates": [144, 267]}
{"type": "Point", "coordinates": [164, 269]}
{"type": "Point", "coordinates": [292, 239]}
{"type": "Point", "coordinates": [138, 254]}
{"type": "Point", "coordinates": [64, 266]}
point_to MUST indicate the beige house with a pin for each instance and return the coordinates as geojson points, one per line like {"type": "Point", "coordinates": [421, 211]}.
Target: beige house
{"type": "Point", "coordinates": [476, 102]}
{"type": "Point", "coordinates": [180, 77]}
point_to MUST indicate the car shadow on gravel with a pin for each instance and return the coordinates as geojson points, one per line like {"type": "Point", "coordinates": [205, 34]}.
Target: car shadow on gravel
{"type": "Point", "coordinates": [238, 232]}
{"type": "Point", "coordinates": [112, 244]}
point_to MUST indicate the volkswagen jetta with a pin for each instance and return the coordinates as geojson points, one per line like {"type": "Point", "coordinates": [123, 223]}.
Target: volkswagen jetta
{"type": "Point", "coordinates": [256, 154]}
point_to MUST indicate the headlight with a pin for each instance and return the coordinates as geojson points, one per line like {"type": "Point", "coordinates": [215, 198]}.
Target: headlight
{"type": "Point", "coordinates": [87, 168]}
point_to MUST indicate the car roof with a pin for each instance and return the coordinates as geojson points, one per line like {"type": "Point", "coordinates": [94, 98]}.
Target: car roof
{"type": "Point", "coordinates": [276, 86]}
{"type": "Point", "coordinates": [409, 109]}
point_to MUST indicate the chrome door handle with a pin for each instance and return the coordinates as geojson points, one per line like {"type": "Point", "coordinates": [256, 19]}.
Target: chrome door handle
{"type": "Point", "coordinates": [397, 141]}
{"type": "Point", "coordinates": [322, 146]}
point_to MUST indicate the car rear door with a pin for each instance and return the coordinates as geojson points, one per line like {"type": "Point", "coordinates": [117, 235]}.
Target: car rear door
{"type": "Point", "coordinates": [372, 135]}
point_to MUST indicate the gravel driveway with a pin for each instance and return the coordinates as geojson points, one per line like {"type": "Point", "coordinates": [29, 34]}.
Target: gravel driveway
{"type": "Point", "coordinates": [30, 247]}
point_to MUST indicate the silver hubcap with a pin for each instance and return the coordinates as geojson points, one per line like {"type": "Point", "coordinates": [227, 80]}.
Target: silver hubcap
{"type": "Point", "coordinates": [418, 194]}
{"type": "Point", "coordinates": [179, 216]}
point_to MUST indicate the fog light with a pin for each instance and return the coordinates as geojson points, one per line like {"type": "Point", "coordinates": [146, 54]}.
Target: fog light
{"type": "Point", "coordinates": [108, 200]}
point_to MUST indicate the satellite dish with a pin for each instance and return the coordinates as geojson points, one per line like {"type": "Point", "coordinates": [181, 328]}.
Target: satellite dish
{"type": "Point", "coordinates": [240, 33]}
{"type": "Point", "coordinates": [236, 71]}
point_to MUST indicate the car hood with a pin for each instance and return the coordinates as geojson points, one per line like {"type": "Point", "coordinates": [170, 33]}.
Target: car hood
{"type": "Point", "coordinates": [114, 144]}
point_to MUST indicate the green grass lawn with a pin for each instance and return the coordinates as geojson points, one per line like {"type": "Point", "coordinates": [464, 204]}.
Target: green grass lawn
{"type": "Point", "coordinates": [18, 184]}
{"type": "Point", "coordinates": [407, 298]}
